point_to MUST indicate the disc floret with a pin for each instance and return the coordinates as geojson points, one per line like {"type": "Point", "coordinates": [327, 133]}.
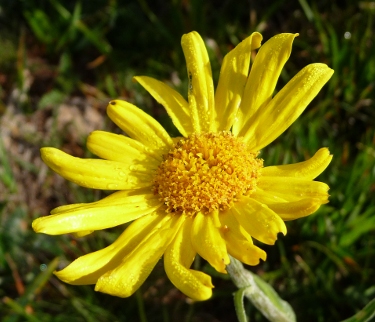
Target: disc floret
{"type": "Point", "coordinates": [206, 172]}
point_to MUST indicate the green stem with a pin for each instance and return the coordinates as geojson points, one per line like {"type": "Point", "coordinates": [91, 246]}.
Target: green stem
{"type": "Point", "coordinates": [260, 293]}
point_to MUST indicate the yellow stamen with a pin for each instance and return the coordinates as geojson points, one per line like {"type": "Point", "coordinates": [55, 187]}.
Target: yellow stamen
{"type": "Point", "coordinates": [206, 172]}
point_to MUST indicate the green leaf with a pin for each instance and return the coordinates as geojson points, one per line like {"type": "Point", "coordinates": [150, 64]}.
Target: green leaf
{"type": "Point", "coordinates": [239, 305]}
{"type": "Point", "coordinates": [366, 314]}
{"type": "Point", "coordinates": [41, 25]}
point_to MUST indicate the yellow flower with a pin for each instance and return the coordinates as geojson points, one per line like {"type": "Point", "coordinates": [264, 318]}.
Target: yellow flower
{"type": "Point", "coordinates": [206, 192]}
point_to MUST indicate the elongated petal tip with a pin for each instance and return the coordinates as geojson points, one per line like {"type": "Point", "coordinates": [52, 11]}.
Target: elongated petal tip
{"type": "Point", "coordinates": [36, 226]}
{"type": "Point", "coordinates": [46, 225]}
{"type": "Point", "coordinates": [48, 155]}
{"type": "Point", "coordinates": [67, 276]}
{"type": "Point", "coordinates": [308, 169]}
{"type": "Point", "coordinates": [43, 225]}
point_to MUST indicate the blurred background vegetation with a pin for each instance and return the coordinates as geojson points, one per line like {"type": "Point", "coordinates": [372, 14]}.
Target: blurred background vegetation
{"type": "Point", "coordinates": [61, 62]}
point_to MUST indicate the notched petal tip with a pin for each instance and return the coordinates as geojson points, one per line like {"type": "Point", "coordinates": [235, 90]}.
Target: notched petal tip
{"type": "Point", "coordinates": [284, 230]}
{"type": "Point", "coordinates": [261, 222]}
{"type": "Point", "coordinates": [256, 40]}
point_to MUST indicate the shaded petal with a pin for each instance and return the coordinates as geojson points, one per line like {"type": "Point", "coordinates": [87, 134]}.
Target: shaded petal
{"type": "Point", "coordinates": [239, 242]}
{"type": "Point", "coordinates": [258, 220]}
{"type": "Point", "coordinates": [125, 279]}
{"type": "Point", "coordinates": [139, 125]}
{"type": "Point", "coordinates": [88, 268]}
{"type": "Point", "coordinates": [173, 102]}
{"type": "Point", "coordinates": [97, 215]}
{"type": "Point", "coordinates": [116, 147]}
{"type": "Point", "coordinates": [293, 189]}
{"type": "Point", "coordinates": [297, 209]}
{"type": "Point", "coordinates": [96, 173]}
{"type": "Point", "coordinates": [263, 77]}
{"type": "Point", "coordinates": [233, 77]}
{"type": "Point", "coordinates": [208, 242]}
{"type": "Point", "coordinates": [288, 104]}
{"type": "Point", "coordinates": [201, 88]}
{"type": "Point", "coordinates": [308, 169]}
{"type": "Point", "coordinates": [178, 258]}
{"type": "Point", "coordinates": [83, 233]}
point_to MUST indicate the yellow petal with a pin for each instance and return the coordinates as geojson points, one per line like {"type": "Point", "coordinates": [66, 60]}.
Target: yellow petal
{"type": "Point", "coordinates": [308, 169]}
{"type": "Point", "coordinates": [233, 76]}
{"type": "Point", "coordinates": [293, 189]}
{"type": "Point", "coordinates": [175, 105]}
{"type": "Point", "coordinates": [258, 220]}
{"type": "Point", "coordinates": [125, 279]}
{"type": "Point", "coordinates": [269, 197]}
{"type": "Point", "coordinates": [178, 258]}
{"type": "Point", "coordinates": [83, 233]}
{"type": "Point", "coordinates": [239, 242]}
{"type": "Point", "coordinates": [297, 209]}
{"type": "Point", "coordinates": [66, 208]}
{"type": "Point", "coordinates": [114, 198]}
{"type": "Point", "coordinates": [88, 268]}
{"type": "Point", "coordinates": [201, 88]}
{"type": "Point", "coordinates": [139, 125]}
{"type": "Point", "coordinates": [97, 215]}
{"type": "Point", "coordinates": [275, 117]}
{"type": "Point", "coordinates": [208, 242]}
{"type": "Point", "coordinates": [262, 80]}
{"type": "Point", "coordinates": [96, 173]}
{"type": "Point", "coordinates": [116, 147]}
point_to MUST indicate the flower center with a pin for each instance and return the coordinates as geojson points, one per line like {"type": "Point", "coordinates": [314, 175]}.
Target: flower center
{"type": "Point", "coordinates": [206, 172]}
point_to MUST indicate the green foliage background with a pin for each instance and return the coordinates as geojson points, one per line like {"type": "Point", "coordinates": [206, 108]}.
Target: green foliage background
{"type": "Point", "coordinates": [54, 52]}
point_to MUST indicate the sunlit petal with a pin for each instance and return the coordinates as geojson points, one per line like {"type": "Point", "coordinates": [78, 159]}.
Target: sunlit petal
{"type": "Point", "coordinates": [308, 169]}
{"type": "Point", "coordinates": [114, 198]}
{"type": "Point", "coordinates": [293, 189]}
{"type": "Point", "coordinates": [239, 242]}
{"type": "Point", "coordinates": [233, 77]}
{"type": "Point", "coordinates": [125, 279]}
{"type": "Point", "coordinates": [139, 125]}
{"type": "Point", "coordinates": [97, 215]}
{"type": "Point", "coordinates": [297, 209]}
{"type": "Point", "coordinates": [173, 102]}
{"type": "Point", "coordinates": [201, 88]}
{"type": "Point", "coordinates": [88, 268]}
{"type": "Point", "coordinates": [96, 173]}
{"type": "Point", "coordinates": [208, 242]}
{"type": "Point", "coordinates": [288, 104]}
{"type": "Point", "coordinates": [178, 258]}
{"type": "Point", "coordinates": [262, 80]}
{"type": "Point", "coordinates": [120, 148]}
{"type": "Point", "coordinates": [258, 220]}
